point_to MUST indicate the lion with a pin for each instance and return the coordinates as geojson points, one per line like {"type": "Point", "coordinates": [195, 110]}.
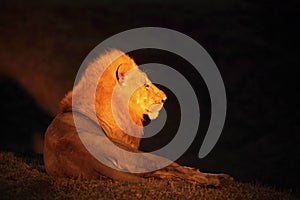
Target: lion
{"type": "Point", "coordinates": [135, 96]}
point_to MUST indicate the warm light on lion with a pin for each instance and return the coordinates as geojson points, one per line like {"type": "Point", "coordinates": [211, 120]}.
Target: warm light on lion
{"type": "Point", "coordinates": [64, 152]}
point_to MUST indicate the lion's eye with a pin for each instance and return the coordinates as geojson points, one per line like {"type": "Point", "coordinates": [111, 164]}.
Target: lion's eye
{"type": "Point", "coordinates": [147, 85]}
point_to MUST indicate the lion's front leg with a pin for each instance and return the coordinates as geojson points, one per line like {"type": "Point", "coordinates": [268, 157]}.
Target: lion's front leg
{"type": "Point", "coordinates": [177, 172]}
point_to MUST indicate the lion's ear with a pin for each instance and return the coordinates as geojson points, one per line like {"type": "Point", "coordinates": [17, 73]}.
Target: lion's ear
{"type": "Point", "coordinates": [118, 74]}
{"type": "Point", "coordinates": [122, 69]}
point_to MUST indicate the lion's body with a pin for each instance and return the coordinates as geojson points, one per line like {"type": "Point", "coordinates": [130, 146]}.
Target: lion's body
{"type": "Point", "coordinates": [66, 156]}
{"type": "Point", "coordinates": [123, 95]}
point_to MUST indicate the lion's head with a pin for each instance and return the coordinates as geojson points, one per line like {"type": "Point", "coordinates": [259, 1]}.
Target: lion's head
{"type": "Point", "coordinates": [132, 93]}
{"type": "Point", "coordinates": [144, 97]}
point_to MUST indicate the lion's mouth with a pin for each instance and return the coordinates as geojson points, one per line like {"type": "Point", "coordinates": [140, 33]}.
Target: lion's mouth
{"type": "Point", "coordinates": [153, 111]}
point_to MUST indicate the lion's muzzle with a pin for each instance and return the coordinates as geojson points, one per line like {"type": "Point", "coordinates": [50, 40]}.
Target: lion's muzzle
{"type": "Point", "coordinates": [154, 110]}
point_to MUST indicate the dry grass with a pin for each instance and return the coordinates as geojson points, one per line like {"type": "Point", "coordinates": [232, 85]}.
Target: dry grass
{"type": "Point", "coordinates": [24, 178]}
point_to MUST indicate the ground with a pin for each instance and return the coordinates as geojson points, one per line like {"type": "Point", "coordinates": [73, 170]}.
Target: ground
{"type": "Point", "coordinates": [23, 177]}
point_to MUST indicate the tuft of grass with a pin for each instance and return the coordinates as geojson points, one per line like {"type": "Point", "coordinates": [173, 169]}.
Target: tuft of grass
{"type": "Point", "coordinates": [25, 178]}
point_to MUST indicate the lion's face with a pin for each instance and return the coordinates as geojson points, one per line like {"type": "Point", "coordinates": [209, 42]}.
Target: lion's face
{"type": "Point", "coordinates": [146, 98]}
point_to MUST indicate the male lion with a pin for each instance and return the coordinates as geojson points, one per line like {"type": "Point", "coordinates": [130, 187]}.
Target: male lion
{"type": "Point", "coordinates": [64, 152]}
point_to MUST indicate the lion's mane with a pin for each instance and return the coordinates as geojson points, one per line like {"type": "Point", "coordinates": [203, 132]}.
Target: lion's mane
{"type": "Point", "coordinates": [102, 101]}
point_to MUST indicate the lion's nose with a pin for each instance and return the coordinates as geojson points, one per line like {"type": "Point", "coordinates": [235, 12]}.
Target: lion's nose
{"type": "Point", "coordinates": [164, 100]}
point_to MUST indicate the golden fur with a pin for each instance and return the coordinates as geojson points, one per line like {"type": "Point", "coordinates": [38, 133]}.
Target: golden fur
{"type": "Point", "coordinates": [122, 92]}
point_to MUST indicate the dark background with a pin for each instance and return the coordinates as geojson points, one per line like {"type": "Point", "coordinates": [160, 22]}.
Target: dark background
{"type": "Point", "coordinates": [254, 44]}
